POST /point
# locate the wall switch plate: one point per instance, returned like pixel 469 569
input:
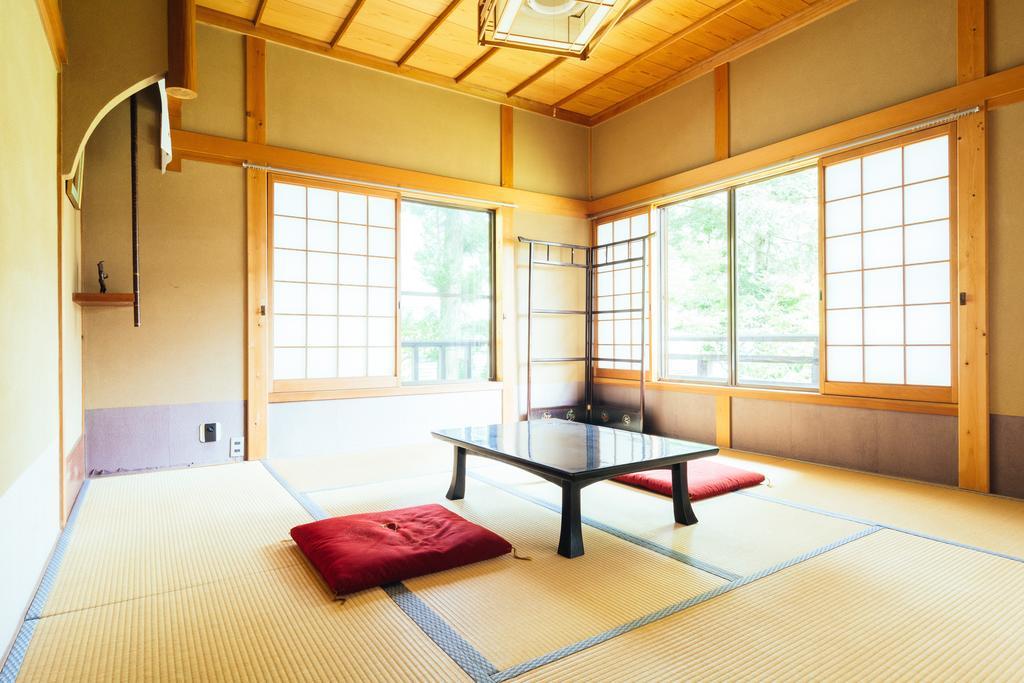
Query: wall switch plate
pixel 237 446
pixel 209 432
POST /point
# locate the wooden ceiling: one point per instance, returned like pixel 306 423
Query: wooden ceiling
pixel 654 46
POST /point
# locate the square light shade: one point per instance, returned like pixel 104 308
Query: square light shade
pixel 562 27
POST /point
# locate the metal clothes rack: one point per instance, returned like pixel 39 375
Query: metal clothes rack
pixel 594 259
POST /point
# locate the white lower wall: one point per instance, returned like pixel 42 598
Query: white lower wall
pixel 317 428
pixel 29 526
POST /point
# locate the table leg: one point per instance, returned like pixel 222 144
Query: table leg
pixel 570 542
pixel 457 490
pixel 681 496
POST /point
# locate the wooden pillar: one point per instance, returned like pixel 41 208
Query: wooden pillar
pixel 722 112
pixel 723 421
pixel 507 154
pixel 182 76
pixel 972 259
pixel 258 339
pixel 506 329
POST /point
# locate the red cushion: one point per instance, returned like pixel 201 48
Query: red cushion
pixel 705 478
pixel 361 551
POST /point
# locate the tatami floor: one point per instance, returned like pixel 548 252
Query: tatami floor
pixel 820 574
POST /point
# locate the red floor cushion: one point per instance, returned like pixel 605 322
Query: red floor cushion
pixel 705 478
pixel 356 552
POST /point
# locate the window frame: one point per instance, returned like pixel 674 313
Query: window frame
pixel 385 384
pixel 492 339
pixel 732 381
pixel 624 373
pixel 908 392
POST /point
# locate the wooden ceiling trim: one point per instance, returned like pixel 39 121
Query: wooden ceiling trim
pixel 796 21
pixel 536 76
pixel 429 32
pixel 244 26
pixel 346 22
pixel 674 38
pixel 477 63
pixel 260 9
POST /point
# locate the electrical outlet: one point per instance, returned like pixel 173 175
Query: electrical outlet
pixel 237 446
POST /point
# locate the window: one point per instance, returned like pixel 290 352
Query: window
pixel 447 301
pixel 740 283
pixel 333 270
pixel 619 294
pixel 888 269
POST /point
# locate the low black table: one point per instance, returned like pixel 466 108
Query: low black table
pixel 574 455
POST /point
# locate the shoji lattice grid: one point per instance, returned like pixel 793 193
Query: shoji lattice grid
pixel 888 266
pixel 618 293
pixel 333 271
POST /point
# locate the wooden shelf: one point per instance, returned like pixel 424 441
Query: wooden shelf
pixel 107 299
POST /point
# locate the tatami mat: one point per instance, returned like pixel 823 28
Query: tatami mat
pixel 886 607
pixel 737 533
pixel 513 610
pixel 280 625
pixel 991 522
pixel 366 467
pixel 144 534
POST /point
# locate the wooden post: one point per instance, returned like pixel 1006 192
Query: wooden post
pixel 723 421
pixel 972 259
pixel 507 154
pixel 255 90
pixel 722 112
pixel 182 78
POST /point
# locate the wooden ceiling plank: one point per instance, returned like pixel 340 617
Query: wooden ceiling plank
pixel 760 39
pixel 346 22
pixel 429 32
pixel 260 9
pixel 695 26
pixel 477 63
pixel 535 76
pixel 295 40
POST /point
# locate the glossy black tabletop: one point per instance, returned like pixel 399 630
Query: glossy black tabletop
pixel 573 447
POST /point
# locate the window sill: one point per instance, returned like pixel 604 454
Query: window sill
pixel 795 396
pixel 408 390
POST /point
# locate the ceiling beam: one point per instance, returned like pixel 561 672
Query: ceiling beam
pixel 537 75
pixel 434 25
pixel 744 47
pixel 646 54
pixel 260 9
pixel 477 63
pixel 322 47
pixel 346 22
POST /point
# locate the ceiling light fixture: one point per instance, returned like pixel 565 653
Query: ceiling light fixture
pixel 563 27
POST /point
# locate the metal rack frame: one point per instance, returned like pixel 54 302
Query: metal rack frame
pixel 592 267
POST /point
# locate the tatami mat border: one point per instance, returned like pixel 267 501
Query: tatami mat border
pixel 451 643
pixel 869 522
pixel 520 669
pixel 9 672
pixel 619 533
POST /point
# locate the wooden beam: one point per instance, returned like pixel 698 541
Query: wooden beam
pixel 732 53
pixel 346 22
pixel 972 259
pixel 477 63
pixel 722 134
pixel 648 53
pixel 257 337
pixel 255 89
pixel 507 153
pixel 53 27
pixel 182 73
pixel 434 25
pixel 723 421
pixel 214 149
pixel 536 76
pixel 960 96
pixel 260 9
pixel 970 40
pixel 322 47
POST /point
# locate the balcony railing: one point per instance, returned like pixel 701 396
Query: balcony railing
pixel 431 360
pixel 705 360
